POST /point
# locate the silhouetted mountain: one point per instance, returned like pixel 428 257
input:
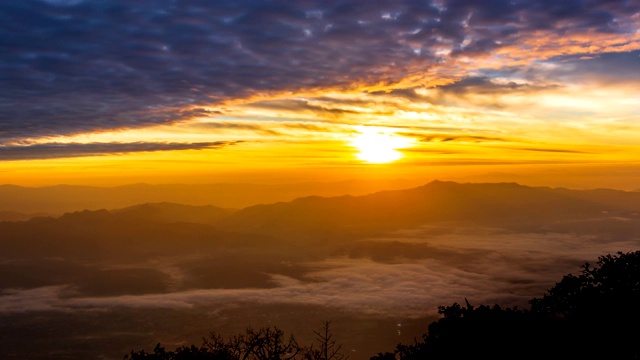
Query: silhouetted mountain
pixel 101 234
pixel 66 198
pixel 492 204
pixel 97 253
pixel 170 212
pixel 18 216
pixel 506 205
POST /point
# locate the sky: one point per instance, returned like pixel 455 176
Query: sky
pixel 103 92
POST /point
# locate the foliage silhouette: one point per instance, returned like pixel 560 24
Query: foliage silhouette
pixel 328 349
pixel 267 343
pixel 591 316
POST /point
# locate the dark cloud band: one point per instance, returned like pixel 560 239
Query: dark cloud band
pixel 60 150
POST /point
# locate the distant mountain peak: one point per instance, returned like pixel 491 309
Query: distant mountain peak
pixel 506 184
pixel 501 204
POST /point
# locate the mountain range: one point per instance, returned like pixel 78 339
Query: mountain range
pixel 59 199
pixel 117 272
pixel 344 218
pixel 508 205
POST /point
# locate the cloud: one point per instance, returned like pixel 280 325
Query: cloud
pixel 230 125
pixel 440 266
pixel 620 69
pixel 62 150
pixel 485 85
pixel 71 66
pixel 455 138
pixel 320 109
pixel 551 150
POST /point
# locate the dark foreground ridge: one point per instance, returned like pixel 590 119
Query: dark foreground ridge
pixel 593 315
pixel 268 343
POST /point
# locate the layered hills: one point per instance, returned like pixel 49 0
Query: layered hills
pixel 393 254
pixel 59 199
pixel 493 204
pixel 148 227
pixel 489 204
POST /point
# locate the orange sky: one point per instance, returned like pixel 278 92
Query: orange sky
pixel 554 104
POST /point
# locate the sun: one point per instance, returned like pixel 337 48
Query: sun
pixel 378 146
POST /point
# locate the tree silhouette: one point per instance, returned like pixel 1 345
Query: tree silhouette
pixel 600 306
pixel 612 286
pixel 267 343
pixel 328 349
pixel 216 345
pixel 591 316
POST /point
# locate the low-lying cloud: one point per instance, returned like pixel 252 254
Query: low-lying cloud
pixel 486 266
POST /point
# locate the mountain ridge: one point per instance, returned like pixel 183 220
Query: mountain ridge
pixel 505 204
pixel 502 204
pixel 58 199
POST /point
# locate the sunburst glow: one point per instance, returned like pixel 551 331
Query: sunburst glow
pixel 378 146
